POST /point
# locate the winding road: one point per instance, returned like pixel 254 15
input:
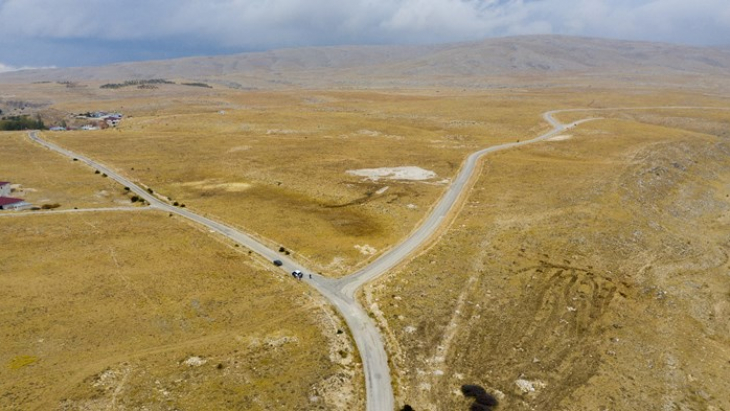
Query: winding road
pixel 341 292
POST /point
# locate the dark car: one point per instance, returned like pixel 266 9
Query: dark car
pixel 278 263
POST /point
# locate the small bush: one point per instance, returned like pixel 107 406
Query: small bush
pixel 134 199
pixel 149 190
pixel 176 204
pixel 483 401
pixel 97 172
pixel 50 206
pixel 197 85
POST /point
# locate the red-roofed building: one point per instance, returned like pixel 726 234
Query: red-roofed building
pixel 9 203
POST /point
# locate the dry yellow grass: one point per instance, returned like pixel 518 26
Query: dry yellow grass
pixel 270 161
pixel 139 310
pixel 565 254
pixel 588 273
pixel 42 177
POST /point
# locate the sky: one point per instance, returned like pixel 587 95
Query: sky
pixel 67 33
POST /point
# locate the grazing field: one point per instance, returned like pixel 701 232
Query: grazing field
pixel 587 272
pixel 139 310
pixel 276 163
pixel 43 178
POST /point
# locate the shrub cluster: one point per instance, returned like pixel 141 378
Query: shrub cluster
pixel 483 401
pixel 15 123
pixel 136 83
pixel 197 84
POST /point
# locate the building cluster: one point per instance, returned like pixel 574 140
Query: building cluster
pixel 11 203
pixel 98 120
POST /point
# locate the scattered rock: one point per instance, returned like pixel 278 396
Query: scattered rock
pixel 366 249
pixel 195 361
pixel 529 386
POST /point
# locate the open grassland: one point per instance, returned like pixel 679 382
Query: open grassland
pixel 587 272
pixel 275 163
pixel 142 311
pixel 44 178
pixel 584 272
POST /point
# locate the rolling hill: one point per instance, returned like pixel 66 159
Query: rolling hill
pixel 529 58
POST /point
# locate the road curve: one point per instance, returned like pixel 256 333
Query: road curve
pixel 348 285
pixel 341 292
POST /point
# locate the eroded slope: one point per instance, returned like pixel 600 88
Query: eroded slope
pixel 588 272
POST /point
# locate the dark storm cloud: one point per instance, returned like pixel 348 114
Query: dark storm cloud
pixel 132 29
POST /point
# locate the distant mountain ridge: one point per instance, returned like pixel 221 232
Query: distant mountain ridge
pixel 444 64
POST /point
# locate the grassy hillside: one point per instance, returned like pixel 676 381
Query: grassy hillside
pixel 582 273
pixel 535 60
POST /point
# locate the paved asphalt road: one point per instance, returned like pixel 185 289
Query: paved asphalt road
pixel 341 292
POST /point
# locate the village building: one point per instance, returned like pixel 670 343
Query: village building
pixel 10 203
pixel 4 188
pixel 112 120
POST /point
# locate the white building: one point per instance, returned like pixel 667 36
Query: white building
pixel 4 188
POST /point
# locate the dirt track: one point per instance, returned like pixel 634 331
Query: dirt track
pixel 341 293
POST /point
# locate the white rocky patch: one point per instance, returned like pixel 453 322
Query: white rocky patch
pixel 382 190
pixel 411 173
pixel 529 386
pixel 195 361
pixel 366 249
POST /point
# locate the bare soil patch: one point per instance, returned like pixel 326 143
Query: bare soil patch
pixel 409 173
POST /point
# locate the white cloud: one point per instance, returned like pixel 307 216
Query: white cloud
pixel 4 68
